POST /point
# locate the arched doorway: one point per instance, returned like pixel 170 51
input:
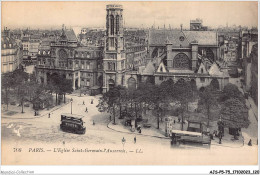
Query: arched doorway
pixel 181 61
pixel 214 83
pixel 111 84
pixel 131 83
pixel 193 84
pixel 42 80
pixel 48 77
pixel 100 80
pixel 76 83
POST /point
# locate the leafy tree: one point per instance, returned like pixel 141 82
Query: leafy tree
pixel 122 98
pixel 234 114
pixel 109 102
pixel 65 86
pixel 7 83
pixel 232 91
pixel 183 94
pixel 208 100
pixel 155 99
pixel 21 83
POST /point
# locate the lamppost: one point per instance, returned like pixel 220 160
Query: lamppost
pixel 71 104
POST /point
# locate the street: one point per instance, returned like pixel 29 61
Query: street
pixel 45 133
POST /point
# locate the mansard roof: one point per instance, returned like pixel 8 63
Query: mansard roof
pixel 160 36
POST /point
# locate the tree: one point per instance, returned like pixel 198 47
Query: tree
pixel 234 114
pixel 54 85
pixel 109 102
pixel 208 100
pixel 155 99
pixel 7 83
pixel 65 86
pixel 183 94
pixel 232 91
pixel 21 83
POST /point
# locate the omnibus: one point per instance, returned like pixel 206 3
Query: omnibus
pixel 72 123
pixel 179 136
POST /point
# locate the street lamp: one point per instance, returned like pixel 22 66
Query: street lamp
pixel 71 104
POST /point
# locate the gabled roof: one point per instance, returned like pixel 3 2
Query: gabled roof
pixel 202 69
pixel 149 69
pixel 71 37
pixel 214 70
pixel 159 37
pixel 161 67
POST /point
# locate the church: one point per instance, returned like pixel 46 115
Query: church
pixel 171 54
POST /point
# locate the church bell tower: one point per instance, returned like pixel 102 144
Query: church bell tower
pixel 114 58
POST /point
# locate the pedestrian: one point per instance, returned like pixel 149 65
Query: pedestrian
pixel 93 122
pixel 86 109
pixel 63 142
pixel 123 140
pixel 135 139
pixel 35 113
pixel 83 102
pixel 250 143
pixel 49 115
pixel 140 131
pixel 92 101
pixel 220 137
pixel 179 120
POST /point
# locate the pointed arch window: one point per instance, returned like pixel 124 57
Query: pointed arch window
pixel 117 24
pixel 111 24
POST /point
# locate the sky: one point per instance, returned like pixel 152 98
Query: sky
pixel 136 14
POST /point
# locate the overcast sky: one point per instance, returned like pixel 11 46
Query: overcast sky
pixel 136 14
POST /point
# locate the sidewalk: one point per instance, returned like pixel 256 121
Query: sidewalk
pixel 227 140
pixel 253 107
pixel 14 112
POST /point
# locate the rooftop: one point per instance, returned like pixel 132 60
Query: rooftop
pixel 159 37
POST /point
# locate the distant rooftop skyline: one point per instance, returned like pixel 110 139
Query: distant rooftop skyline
pixel 142 14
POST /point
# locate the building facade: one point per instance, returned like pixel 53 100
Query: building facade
pixel 64 57
pixel 11 52
pixel 186 55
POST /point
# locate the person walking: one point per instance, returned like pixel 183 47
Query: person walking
pixel 49 115
pixel 83 102
pixel 135 139
pixel 220 137
pixel 93 122
pixel 250 143
pixel 86 109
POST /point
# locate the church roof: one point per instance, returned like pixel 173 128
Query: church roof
pixel 214 70
pixel 203 37
pixel 68 35
pixel 160 36
pixel 149 69
pixel 71 35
